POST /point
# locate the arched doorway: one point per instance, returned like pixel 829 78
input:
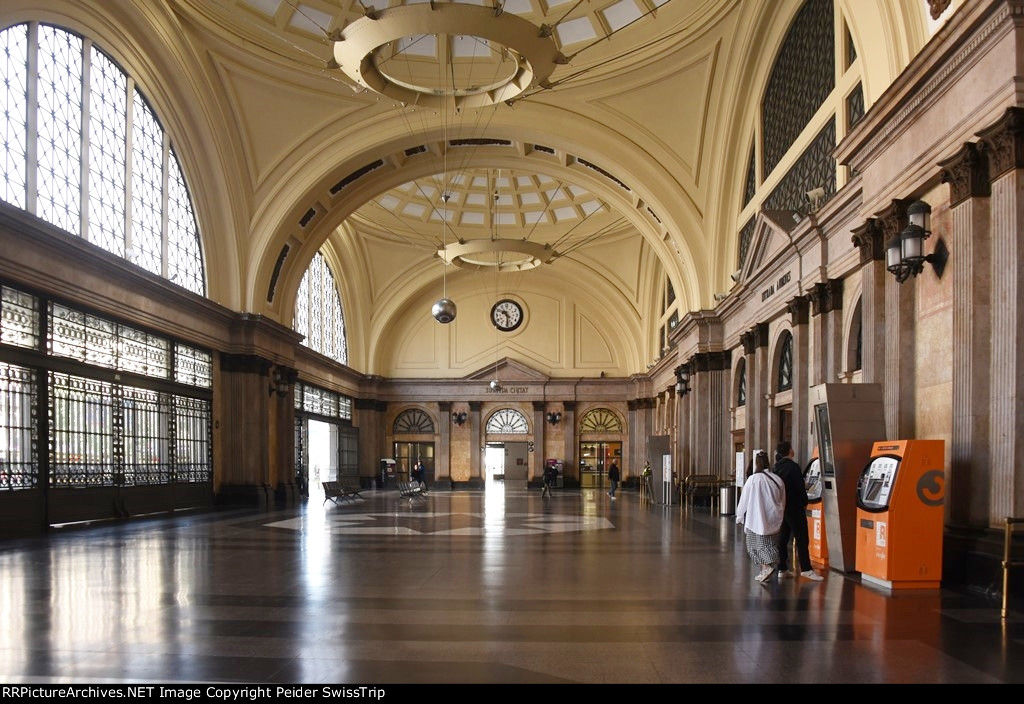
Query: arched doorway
pixel 600 445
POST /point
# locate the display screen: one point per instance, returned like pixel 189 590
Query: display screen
pixel 876 483
pixel 824 440
pixel 812 480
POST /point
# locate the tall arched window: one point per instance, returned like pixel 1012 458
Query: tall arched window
pixel 318 313
pixel 76 138
pixel 785 379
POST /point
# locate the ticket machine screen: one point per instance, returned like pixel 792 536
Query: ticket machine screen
pixel 876 483
pixel 824 431
pixel 812 480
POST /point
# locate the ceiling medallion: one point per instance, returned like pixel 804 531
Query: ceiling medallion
pixel 527 54
pixel 503 255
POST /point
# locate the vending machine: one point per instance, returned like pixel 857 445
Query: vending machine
pixel 900 499
pixel 817 538
pixel 848 418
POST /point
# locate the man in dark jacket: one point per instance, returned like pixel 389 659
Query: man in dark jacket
pixel 794 522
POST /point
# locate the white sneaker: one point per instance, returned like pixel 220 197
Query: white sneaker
pixel 812 575
pixel 785 574
pixel 765 574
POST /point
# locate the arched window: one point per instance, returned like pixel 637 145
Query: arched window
pixel 508 421
pixel 318 313
pixel 414 422
pixel 600 420
pixel 741 383
pixel 77 138
pixel 785 379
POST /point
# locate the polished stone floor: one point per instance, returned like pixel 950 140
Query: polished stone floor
pixel 495 586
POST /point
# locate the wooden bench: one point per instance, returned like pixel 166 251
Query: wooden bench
pixel 700 486
pixel 410 491
pixel 340 490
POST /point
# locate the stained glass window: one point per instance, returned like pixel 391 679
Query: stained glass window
pixel 318 312
pixel 83 189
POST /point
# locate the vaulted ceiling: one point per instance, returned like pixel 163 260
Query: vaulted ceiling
pixel 625 163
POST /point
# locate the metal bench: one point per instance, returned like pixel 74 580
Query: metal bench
pixel 340 490
pixel 410 491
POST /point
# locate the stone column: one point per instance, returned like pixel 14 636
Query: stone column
pixel 759 386
pixel 827 304
pixel 798 308
pixel 1003 143
pixel 258 435
pixel 898 376
pixel 476 437
pixel 539 427
pixel 713 440
pixel 442 453
pixel 571 447
pixel 368 415
pixel 966 172
pixel 749 433
pixel 869 238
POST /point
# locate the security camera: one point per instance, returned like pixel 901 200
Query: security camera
pixel 815 196
pixel 721 296
pixel 735 276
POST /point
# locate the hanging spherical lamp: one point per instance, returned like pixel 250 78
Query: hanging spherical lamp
pixel 444 310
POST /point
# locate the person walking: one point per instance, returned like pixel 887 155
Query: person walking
pixel 760 512
pixel 613 478
pixel 550 479
pixel 794 524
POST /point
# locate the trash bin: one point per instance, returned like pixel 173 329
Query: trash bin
pixel 727 499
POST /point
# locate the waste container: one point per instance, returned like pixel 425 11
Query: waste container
pixel 727 499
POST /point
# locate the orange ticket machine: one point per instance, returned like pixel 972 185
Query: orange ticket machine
pixel 900 499
pixel 818 541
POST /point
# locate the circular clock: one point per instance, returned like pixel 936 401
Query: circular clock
pixel 507 315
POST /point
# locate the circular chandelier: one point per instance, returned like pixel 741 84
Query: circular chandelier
pixel 526 54
pixel 499 254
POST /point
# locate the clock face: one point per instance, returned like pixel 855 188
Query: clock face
pixel 507 315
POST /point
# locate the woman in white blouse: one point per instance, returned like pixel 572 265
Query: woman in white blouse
pixel 760 512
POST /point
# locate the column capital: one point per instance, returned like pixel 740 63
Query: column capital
pixel 798 308
pixel 755 337
pixel 966 172
pixel 569 406
pixel 892 219
pixel 826 296
pixel 1003 143
pixel 540 406
pixel 476 406
pixel 869 239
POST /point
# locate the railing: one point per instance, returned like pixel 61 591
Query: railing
pixel 1007 562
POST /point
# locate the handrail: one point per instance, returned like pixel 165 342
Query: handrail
pixel 1007 563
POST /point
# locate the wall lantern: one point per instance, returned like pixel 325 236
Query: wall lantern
pixel 683 379
pixel 553 418
pixel 459 418
pixel 904 253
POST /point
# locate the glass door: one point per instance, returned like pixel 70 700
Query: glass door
pixel 595 457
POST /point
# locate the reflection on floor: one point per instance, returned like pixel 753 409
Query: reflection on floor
pixel 495 586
